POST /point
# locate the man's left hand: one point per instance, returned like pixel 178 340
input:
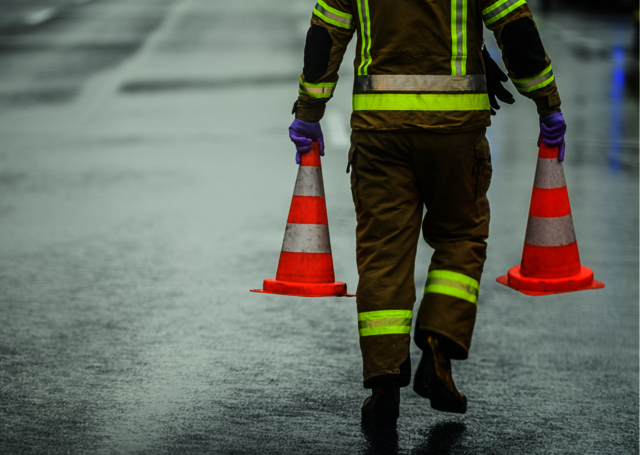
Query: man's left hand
pixel 552 129
pixel 302 134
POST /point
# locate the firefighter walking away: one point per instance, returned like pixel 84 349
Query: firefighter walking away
pixel 424 92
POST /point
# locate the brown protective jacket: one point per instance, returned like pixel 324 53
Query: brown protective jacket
pixel 418 63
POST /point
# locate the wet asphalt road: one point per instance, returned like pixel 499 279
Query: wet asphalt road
pixel 145 178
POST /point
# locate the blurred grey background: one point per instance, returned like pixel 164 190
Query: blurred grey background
pixel 145 179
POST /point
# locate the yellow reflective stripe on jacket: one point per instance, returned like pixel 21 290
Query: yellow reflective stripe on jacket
pixel 458 37
pixel 420 102
pixel 333 16
pixel 321 90
pixel 453 284
pixel 365 31
pixel 386 322
pixel 499 10
pixel 529 84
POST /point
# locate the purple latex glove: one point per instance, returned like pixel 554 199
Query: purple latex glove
pixel 302 134
pixel 552 127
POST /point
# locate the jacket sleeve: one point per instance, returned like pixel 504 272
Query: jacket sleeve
pixel 528 64
pixel 332 27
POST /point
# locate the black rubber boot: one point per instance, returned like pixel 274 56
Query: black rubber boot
pixel 382 408
pixel 433 380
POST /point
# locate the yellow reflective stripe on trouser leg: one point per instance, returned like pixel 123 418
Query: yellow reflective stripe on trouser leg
pixel 453 284
pixel 386 322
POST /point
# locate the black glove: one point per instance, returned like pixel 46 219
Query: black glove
pixel 495 77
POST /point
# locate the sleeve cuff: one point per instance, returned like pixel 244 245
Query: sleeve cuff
pixel 309 113
pixel 548 104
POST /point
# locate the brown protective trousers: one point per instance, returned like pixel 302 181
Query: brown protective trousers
pixel 394 176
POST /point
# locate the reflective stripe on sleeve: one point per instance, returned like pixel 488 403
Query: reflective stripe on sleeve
pixel 386 322
pixel 499 10
pixel 420 83
pixel 420 102
pixel 322 90
pixel 453 284
pixel 529 84
pixel 332 15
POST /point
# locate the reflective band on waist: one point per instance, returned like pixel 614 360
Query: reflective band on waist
pixel 549 174
pixel 419 83
pixel 386 322
pixel 556 231
pixel 306 238
pixel 529 84
pixel 420 102
pixel 453 284
pixel 500 9
pixel 322 90
pixel 309 182
pixel 332 15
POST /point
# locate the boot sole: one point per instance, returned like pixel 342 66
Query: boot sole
pixel 380 419
pixel 383 417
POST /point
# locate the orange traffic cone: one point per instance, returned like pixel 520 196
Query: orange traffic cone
pixel 305 268
pixel 550 259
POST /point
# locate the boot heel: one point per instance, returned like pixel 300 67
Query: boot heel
pixel 385 420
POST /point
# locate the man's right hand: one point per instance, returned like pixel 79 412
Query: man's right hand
pixel 302 134
pixel 495 76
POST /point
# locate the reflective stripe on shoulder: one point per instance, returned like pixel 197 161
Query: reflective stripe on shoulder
pixel 453 284
pixel 332 15
pixel 499 10
pixel 420 102
pixel 420 83
pixel 322 90
pixel 540 80
pixel 386 322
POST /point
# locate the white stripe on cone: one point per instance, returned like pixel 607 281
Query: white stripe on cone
pixel 549 174
pixel 306 238
pixel 309 182
pixel 556 231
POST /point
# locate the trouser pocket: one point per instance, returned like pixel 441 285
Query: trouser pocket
pixel 483 169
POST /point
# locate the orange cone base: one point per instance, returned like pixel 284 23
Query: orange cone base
pixel 544 286
pixel 273 286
